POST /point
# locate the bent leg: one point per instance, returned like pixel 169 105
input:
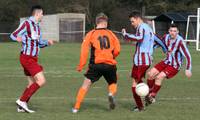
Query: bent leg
pixel 158 82
pixel 151 77
pixel 39 80
pixel 82 92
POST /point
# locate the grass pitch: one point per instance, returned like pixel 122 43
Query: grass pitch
pixel 179 98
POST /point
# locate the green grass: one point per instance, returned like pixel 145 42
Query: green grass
pixel 179 98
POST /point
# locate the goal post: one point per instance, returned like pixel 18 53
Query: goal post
pixel 198 29
pixel 192 33
pixel 63 27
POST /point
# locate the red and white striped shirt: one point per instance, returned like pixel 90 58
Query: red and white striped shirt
pixel 177 50
pixel 30 32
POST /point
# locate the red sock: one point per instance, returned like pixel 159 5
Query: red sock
pixel 25 92
pixel 137 99
pixel 150 83
pixel 32 89
pixel 155 90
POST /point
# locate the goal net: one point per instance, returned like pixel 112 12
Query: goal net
pixel 65 27
pixel 193 29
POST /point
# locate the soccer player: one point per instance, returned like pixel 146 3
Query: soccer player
pixel 105 47
pixel 29 34
pixel 170 66
pixel 143 54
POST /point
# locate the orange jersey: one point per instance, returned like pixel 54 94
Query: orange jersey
pixel 105 47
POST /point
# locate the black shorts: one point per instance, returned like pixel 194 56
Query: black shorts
pixel 95 71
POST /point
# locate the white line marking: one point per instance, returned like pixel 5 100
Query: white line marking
pixel 105 99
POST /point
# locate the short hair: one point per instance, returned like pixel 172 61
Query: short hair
pixel 34 8
pixel 173 25
pixel 101 17
pixel 135 14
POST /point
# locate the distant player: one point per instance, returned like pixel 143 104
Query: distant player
pixel 170 66
pixel 143 54
pixel 104 48
pixel 29 34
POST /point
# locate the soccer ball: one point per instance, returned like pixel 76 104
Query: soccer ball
pixel 142 89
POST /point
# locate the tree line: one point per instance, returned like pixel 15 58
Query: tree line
pixel 117 10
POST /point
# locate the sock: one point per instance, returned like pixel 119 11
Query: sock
pixel 155 90
pixel 79 98
pixel 25 92
pixel 137 99
pixel 112 88
pixel 31 90
pixel 150 84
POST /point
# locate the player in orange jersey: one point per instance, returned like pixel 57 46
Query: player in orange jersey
pixel 105 47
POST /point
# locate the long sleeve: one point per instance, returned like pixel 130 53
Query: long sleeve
pixel 19 31
pixel 42 43
pixel 158 42
pixel 116 45
pixel 185 52
pixel 138 38
pixel 84 50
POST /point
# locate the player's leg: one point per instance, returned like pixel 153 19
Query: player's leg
pixel 168 73
pixel 39 81
pixel 138 100
pixel 91 76
pixel 31 68
pixel 153 72
pixel 138 72
pixel 158 82
pixel 110 75
pixel 150 98
pixel 30 82
pixel 81 94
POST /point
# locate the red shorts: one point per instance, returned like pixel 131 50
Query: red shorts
pixel 138 72
pixel 30 65
pixel 167 69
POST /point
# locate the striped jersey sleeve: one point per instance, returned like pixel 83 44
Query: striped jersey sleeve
pixel 138 37
pixel 158 42
pixel 19 31
pixel 185 52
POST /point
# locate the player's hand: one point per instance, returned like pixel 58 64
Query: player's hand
pixel 188 73
pixel 123 32
pixel 19 39
pixel 50 42
pixel 79 68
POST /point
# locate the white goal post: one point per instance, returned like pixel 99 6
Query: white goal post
pixel 193 29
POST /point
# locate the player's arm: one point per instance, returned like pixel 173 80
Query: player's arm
pixel 158 42
pixel 43 43
pixel 132 37
pixel 18 33
pixel 84 52
pixel 185 52
pixel 116 42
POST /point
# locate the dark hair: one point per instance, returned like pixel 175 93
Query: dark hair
pixel 135 14
pixel 101 17
pixel 173 25
pixel 35 7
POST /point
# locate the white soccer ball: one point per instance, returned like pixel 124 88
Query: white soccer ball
pixel 142 89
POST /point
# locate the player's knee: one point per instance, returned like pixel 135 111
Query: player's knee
pixel 134 83
pixel 150 75
pixel 86 84
pixel 159 79
pixel 41 82
pixel 158 82
pixel 29 84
